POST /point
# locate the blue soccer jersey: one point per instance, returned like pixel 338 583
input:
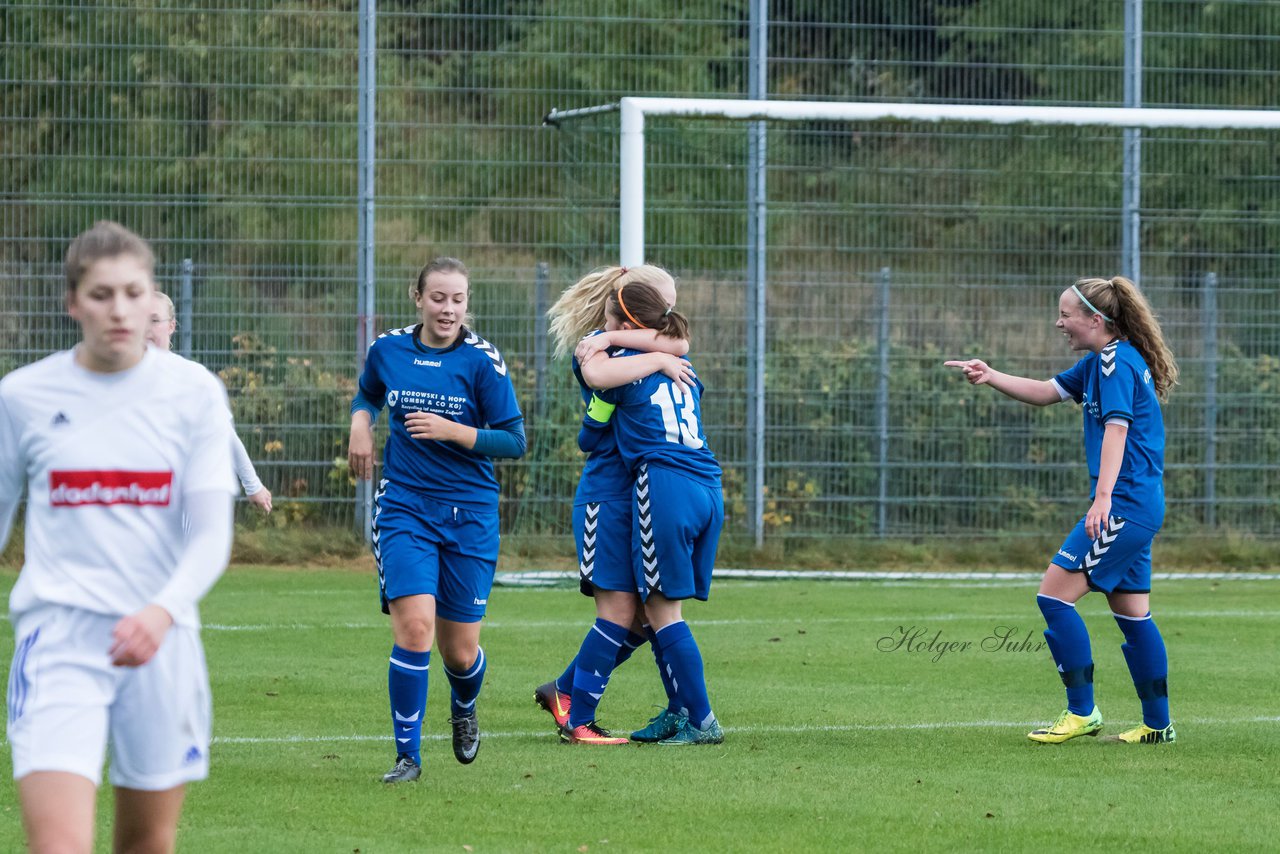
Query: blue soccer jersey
pixel 656 422
pixel 605 477
pixel 1112 385
pixel 467 383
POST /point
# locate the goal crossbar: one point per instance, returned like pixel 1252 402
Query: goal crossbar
pixel 634 110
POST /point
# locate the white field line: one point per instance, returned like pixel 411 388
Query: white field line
pixel 748 730
pixel 539 576
pixel 903 619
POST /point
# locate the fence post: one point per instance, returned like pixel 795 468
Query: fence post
pixel 185 309
pixel 757 241
pixel 1210 314
pixel 1131 204
pixel 541 287
pixel 366 304
pixel 882 403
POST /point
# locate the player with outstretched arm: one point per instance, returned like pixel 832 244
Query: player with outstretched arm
pixel 1126 371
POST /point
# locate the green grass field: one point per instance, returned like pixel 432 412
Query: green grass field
pixel 838 737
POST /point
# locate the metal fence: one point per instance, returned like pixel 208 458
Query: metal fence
pixel 229 136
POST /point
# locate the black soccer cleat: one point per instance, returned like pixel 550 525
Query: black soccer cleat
pixel 405 771
pixel 466 737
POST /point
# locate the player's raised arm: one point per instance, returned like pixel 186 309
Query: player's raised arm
pixel 647 340
pixel 1025 389
pixel 603 372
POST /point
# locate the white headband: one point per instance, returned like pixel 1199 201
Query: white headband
pixel 1089 305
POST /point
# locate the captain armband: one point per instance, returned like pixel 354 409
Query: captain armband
pixel 599 410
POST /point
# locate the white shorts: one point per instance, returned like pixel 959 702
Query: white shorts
pixel 67 701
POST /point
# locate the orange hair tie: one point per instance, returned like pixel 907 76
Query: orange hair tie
pixel 626 312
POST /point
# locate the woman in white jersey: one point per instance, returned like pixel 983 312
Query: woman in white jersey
pixel 113 443
pixel 160 333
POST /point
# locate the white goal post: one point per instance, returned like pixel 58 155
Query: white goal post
pixel 632 202
pixel 635 109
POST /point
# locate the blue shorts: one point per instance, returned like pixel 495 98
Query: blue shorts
pixel 1118 561
pixel 677 522
pixel 425 546
pixel 602 531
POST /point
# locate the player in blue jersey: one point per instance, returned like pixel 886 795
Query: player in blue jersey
pixel 1127 370
pixel 451 409
pixel 602 502
pixel 678 505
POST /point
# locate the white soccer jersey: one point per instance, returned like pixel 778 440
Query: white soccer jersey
pixel 107 459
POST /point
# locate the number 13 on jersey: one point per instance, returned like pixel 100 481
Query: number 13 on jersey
pixel 679 415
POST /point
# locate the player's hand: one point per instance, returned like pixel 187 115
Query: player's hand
pixel 428 425
pixel 679 370
pixel 1095 521
pixel 591 345
pixel 976 371
pixel 360 452
pixel 261 499
pixel 137 636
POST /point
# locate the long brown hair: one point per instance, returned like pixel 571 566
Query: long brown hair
pixel 644 307
pixel 105 240
pixel 580 309
pixel 1132 318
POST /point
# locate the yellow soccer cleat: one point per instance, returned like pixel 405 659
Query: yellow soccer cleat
pixel 1068 726
pixel 1143 734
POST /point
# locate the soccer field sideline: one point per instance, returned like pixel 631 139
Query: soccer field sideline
pixel 740 730
pixel 538 577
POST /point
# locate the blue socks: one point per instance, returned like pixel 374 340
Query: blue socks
pixel 564 682
pixel 604 644
pixel 1068 640
pixel 682 657
pixel 407 685
pixel 466 686
pixel 630 644
pixel 1144 651
pixel 664 672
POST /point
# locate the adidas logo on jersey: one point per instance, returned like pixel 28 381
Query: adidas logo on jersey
pixel 60 420
pixel 82 488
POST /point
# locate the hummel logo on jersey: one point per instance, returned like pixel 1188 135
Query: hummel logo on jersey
pixel 60 420
pixel 428 363
pixel 81 488
pixel 479 601
pixel 1067 555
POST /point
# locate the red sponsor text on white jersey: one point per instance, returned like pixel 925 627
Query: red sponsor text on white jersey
pixel 83 488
